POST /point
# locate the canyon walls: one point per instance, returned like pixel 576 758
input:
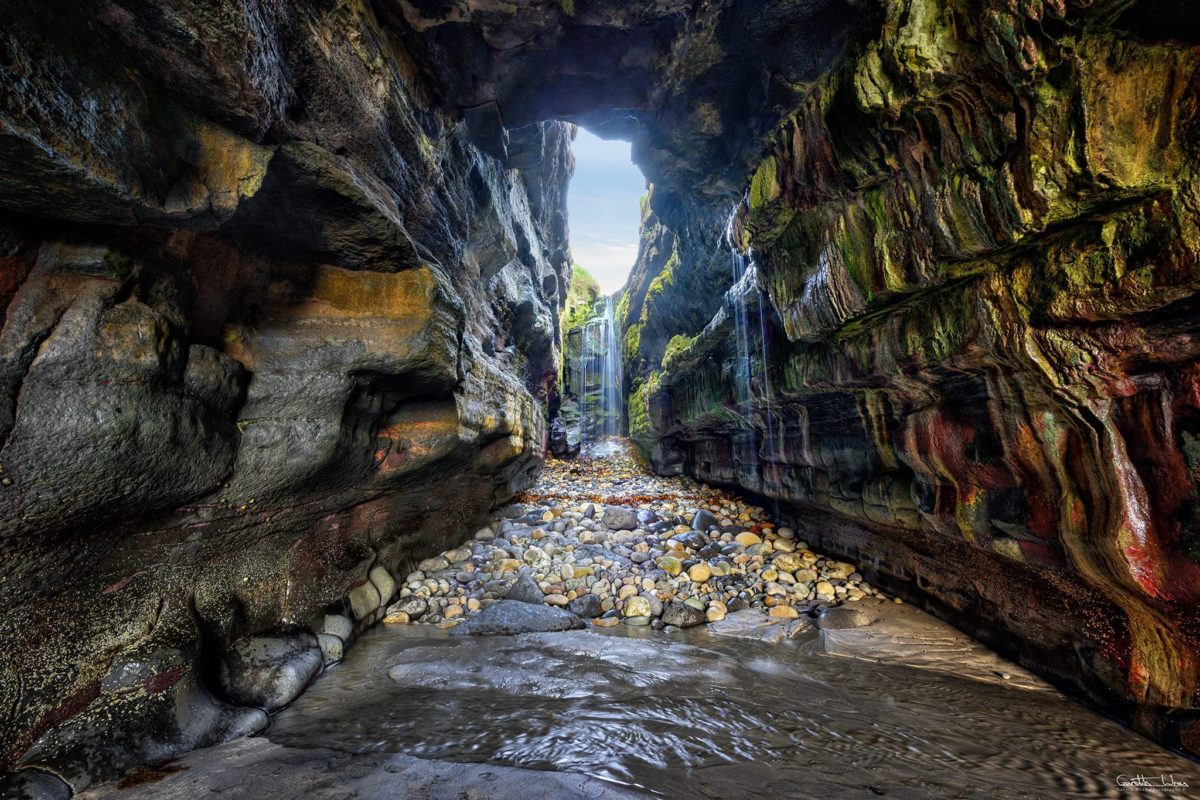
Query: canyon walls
pixel 272 327
pixel 281 287
pixel 965 347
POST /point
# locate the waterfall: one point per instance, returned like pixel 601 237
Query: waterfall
pixel 764 326
pixel 741 330
pixel 600 379
pixel 614 377
pixel 745 281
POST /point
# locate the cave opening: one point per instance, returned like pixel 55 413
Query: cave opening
pixel 606 198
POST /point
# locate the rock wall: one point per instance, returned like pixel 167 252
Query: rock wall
pixel 273 327
pixel 976 367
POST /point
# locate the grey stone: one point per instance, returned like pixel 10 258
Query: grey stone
pixel 332 647
pixel 338 625
pixel 269 671
pixel 586 606
pixel 384 583
pixel 656 605
pixel 525 590
pixel 620 519
pixel 646 517
pixel 703 520
pixel 364 599
pixel 508 617
pixel 681 615
pixel 413 606
pixel 846 617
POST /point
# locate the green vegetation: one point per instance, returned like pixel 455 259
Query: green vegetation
pixel 677 346
pixel 582 294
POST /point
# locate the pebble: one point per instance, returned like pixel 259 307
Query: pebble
pixel 433 564
pixel 457 555
pixel 670 564
pixel 747 539
pixel 636 606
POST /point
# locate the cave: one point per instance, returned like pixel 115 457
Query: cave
pixel 326 472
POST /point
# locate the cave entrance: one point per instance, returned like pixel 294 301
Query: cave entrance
pixel 604 206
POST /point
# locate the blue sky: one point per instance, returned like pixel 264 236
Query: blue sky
pixel 602 208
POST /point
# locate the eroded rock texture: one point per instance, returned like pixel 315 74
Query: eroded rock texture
pixel 971 330
pixel 272 326
pixel 280 285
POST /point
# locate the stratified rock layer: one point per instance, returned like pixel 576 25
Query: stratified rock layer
pixel 972 337
pixel 273 328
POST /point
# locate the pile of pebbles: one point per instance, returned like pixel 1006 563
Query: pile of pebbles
pixel 662 552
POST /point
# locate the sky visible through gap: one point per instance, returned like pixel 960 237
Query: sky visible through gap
pixel 603 208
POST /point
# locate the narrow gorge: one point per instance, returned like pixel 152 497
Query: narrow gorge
pixel 325 471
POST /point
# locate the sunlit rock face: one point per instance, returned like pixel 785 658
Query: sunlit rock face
pixel 975 287
pixel 272 326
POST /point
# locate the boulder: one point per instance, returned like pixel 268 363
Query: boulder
pixel 269 671
pixel 617 518
pixel 413 606
pixel 682 615
pixel 586 606
pixel 510 617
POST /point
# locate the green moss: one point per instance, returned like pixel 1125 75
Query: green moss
pixel 664 279
pixel 764 185
pixel 677 346
pixel 622 309
pixel 633 341
pixel 582 293
pixel 639 404
pixel 568 7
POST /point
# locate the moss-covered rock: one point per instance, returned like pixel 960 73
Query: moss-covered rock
pixel 978 238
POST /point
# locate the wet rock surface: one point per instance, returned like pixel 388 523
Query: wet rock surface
pixel 257 769
pixel 632 712
pixel 671 692
pixel 270 671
